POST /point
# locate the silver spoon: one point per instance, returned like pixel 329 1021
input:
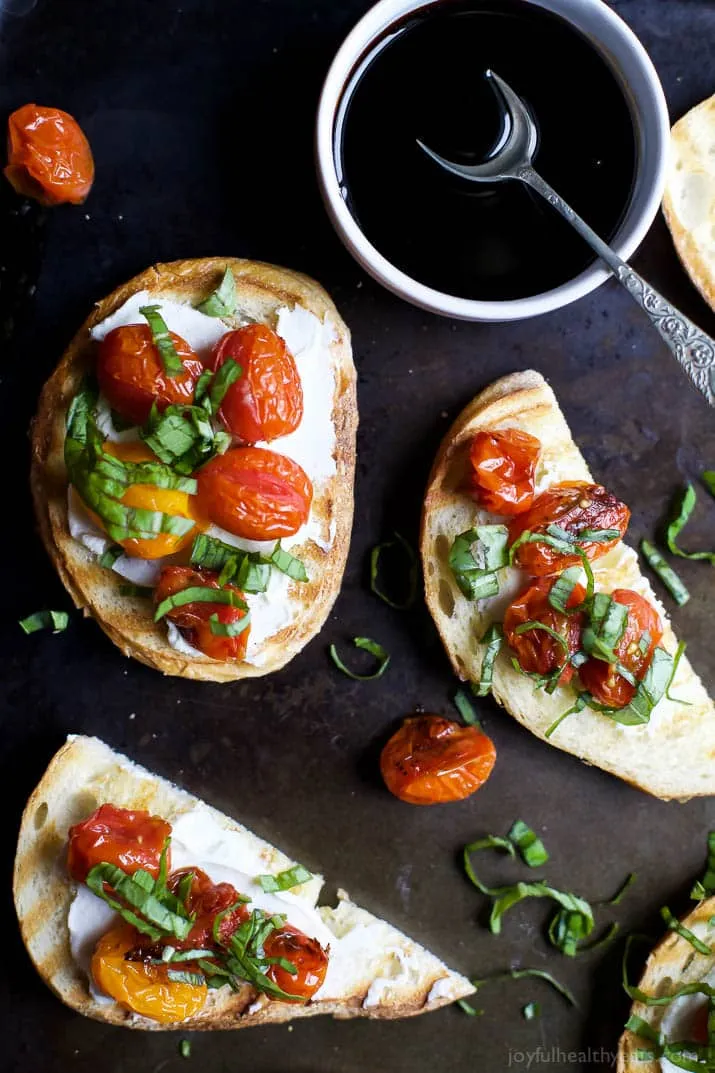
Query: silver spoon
pixel 693 348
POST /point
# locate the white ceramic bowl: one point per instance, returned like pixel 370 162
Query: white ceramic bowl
pixel 632 67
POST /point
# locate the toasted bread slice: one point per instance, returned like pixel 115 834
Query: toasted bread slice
pixel 689 200
pixel 673 756
pixel 375 970
pixel 673 964
pixel 262 291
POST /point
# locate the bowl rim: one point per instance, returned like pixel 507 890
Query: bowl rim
pixel 652 129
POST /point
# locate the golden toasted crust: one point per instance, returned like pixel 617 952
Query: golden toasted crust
pixel 673 963
pixel 85 773
pixel 262 290
pixel 671 757
pixel 689 199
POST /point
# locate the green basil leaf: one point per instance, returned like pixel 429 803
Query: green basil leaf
pixel 639 1027
pixel 161 916
pixel 532 849
pixel 525 627
pixel 562 591
pixel 195 594
pixel 249 570
pixel 665 572
pixel 493 640
pixel 674 924
pixel 229 629
pixel 110 556
pixel 521 974
pixel 412 572
pixel 467 1008
pixel 185 1048
pixel 599 536
pixel 173 365
pixel 531 1011
pixel 223 302
pixel 512 895
pixel 561 541
pixel 183 976
pixel 291 877
pixel 288 564
pixel 474 558
pixel 624 887
pixel 57 621
pixel 678 523
pixel 579 704
pixel 367 645
pixel 466 709
pixel 226 375
pixel 705 887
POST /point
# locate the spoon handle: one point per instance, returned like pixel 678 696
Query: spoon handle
pixel 692 347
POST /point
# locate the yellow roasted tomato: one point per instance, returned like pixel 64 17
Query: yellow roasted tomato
pixel 143 988
pixel 148 497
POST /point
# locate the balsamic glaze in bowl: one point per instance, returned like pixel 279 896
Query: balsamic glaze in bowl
pixel 425 79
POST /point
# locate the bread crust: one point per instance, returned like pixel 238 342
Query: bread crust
pixel 673 963
pixel 262 290
pixel 85 773
pixel 674 757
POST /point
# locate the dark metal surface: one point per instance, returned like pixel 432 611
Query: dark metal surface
pixel 200 115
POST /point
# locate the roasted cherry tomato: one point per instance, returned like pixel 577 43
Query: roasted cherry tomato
pixel 205 901
pixel 572 506
pixel 49 158
pixel 431 759
pixel 536 650
pixel 602 679
pixel 149 497
pixel 255 493
pixel 194 619
pixel 143 988
pixel 502 465
pixel 267 399
pixel 129 838
pixel 308 956
pixel 131 373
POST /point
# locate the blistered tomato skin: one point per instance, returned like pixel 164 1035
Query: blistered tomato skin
pixel 194 619
pixel 49 158
pixel 572 506
pixel 432 760
pixel 255 493
pixel 502 467
pixel 205 901
pixel 267 399
pixel 128 838
pixel 131 373
pixel 306 954
pixel 536 650
pixel 601 679
pixel 142 988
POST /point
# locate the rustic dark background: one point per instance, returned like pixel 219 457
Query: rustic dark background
pixel 200 116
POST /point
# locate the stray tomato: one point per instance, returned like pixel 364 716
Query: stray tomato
pixel 430 760
pixel 306 954
pixel 143 988
pixel 267 399
pixel 194 619
pixel 131 373
pixel 49 158
pixel 572 506
pixel 206 900
pixel 129 838
pixel 255 493
pixel 502 468
pixel 536 650
pixel 602 679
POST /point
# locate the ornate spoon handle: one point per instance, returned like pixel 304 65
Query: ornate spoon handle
pixel 692 347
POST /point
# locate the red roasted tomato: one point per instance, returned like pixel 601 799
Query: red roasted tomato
pixel 194 619
pixel 601 679
pixel 572 506
pixel 308 956
pixel 430 760
pixel 502 467
pixel 206 900
pixel 267 399
pixel 49 158
pixel 255 493
pixel 131 373
pixel 536 650
pixel 129 838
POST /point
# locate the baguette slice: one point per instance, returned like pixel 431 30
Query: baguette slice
pixel 673 964
pixel 382 973
pixel 672 756
pixel 262 291
pixel 689 200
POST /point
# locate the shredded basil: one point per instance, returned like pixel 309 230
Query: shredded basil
pixel 599 536
pixel 57 621
pixel 622 890
pixel 521 974
pixel 467 1008
pixel 183 436
pixel 249 570
pixel 110 556
pixel 706 886
pixel 466 709
pixel 287 563
pixel 493 640
pixel 183 976
pixel 411 580
pixel 367 645
pixel 637 995
pixel 135 590
pixel 578 706
pixel 709 481
pixel 195 594
pixel 532 849
pixel 561 541
pixel 665 572
pixel 291 877
pixel 229 629
pixel 162 914
pixel 678 523
pixel 474 558
pixel 223 302
pixel 531 1011
pixel 226 375
pixel 674 924
pixel 173 365
pixel 185 1047
pixel 562 591
pixel 243 957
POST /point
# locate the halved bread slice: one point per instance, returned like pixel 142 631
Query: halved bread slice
pixel 672 756
pixel 262 291
pixel 374 970
pixel 689 200
pixel 673 964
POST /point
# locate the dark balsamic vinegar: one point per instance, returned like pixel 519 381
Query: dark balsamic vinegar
pixel 426 80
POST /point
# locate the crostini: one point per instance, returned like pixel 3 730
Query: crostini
pixel 142 906
pixel 538 600
pixel 193 460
